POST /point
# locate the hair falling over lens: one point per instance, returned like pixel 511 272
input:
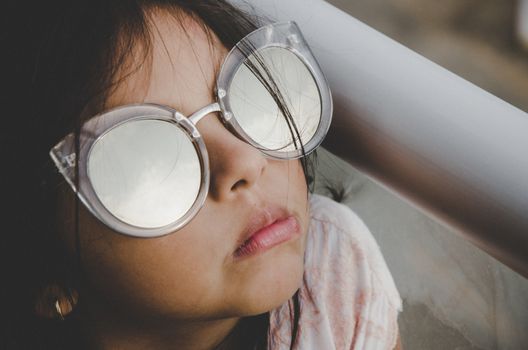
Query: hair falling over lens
pixel 65 57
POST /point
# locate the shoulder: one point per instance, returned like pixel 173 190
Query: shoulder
pixel 339 240
pixel 348 297
pixel 338 234
pixel 337 222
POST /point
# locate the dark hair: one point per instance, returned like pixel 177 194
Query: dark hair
pixel 62 57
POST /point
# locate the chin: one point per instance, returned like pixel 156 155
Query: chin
pixel 269 280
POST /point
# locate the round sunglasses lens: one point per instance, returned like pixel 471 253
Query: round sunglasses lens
pixel 146 173
pixel 281 71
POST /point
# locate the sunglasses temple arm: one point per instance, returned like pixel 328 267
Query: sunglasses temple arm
pixel 198 115
pixel 63 155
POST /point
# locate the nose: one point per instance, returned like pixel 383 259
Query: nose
pixel 235 166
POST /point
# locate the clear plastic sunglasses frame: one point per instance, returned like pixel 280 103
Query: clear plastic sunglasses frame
pixel 284 35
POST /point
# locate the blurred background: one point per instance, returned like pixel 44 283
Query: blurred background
pixel 483 41
pixel 455 296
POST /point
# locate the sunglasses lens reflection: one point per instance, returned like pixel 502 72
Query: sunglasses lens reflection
pixel 146 173
pixel 255 109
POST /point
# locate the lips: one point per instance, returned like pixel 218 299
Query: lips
pixel 266 230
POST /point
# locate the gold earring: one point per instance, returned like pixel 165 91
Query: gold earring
pixel 59 309
pixel 56 302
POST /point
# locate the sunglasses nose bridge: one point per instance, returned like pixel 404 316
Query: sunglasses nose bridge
pixel 201 113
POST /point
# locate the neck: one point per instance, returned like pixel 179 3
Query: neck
pixel 112 330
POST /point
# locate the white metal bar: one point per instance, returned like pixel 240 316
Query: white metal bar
pixel 441 143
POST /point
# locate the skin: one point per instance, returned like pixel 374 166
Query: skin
pixel 185 290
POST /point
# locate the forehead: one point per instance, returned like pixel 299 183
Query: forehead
pixel 180 67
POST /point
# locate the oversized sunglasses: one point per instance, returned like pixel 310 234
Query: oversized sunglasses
pixel 143 169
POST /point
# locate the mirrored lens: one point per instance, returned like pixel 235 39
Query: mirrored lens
pixel 145 172
pixel 281 71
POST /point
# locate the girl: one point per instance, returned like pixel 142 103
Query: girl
pixel 161 203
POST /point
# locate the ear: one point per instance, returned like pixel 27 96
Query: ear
pixel 55 302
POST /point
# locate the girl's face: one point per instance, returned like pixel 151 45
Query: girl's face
pixel 194 273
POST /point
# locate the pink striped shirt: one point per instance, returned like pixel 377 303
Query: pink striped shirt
pixel 348 297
